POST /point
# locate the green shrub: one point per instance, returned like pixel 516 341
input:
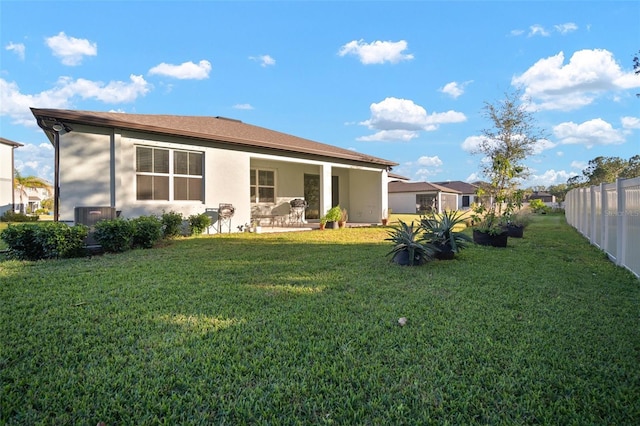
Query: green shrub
pixel 198 223
pixel 11 216
pixel 21 242
pixel 46 241
pixel 146 231
pixel 538 206
pixel 114 235
pixel 171 223
pixel 59 240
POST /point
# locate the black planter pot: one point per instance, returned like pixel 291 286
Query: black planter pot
pixel 402 258
pixel 486 239
pixel 515 231
pixel 444 252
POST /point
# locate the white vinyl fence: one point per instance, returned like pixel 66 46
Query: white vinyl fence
pixel 609 216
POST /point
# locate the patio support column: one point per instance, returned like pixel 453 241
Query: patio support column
pixel 325 188
pixel 384 184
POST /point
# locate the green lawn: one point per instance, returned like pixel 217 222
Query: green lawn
pixel 301 328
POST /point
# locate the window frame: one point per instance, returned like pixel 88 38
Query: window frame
pixel 171 175
pixel 256 184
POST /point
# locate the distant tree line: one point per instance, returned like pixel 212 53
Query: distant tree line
pixel 599 170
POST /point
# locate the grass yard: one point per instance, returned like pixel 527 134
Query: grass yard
pixel 302 328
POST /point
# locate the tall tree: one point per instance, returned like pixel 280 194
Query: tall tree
pixel 606 170
pixel 636 66
pixel 22 182
pixel 506 143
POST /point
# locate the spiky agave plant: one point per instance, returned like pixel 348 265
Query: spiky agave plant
pixel 439 230
pixel 409 248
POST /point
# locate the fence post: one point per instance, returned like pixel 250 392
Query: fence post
pixel 604 228
pixel 621 224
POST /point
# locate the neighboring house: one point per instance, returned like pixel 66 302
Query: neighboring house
pixel 467 192
pixel 545 197
pixel 32 197
pixel 7 198
pixel 421 197
pixel 138 164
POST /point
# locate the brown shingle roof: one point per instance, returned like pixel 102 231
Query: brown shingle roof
pixel 219 129
pixel 399 186
pixel 458 185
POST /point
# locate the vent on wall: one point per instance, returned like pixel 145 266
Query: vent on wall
pixel 91 215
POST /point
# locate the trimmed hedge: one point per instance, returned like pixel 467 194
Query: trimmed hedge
pixel 45 241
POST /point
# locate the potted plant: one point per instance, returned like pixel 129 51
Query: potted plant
pixel 516 223
pixel 323 222
pixel 343 218
pixel 333 216
pixel 439 230
pixel 410 248
pixel 385 218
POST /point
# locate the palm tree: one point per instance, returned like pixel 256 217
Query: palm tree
pixel 21 182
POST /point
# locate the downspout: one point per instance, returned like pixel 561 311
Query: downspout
pixel 56 170
pixel 13 180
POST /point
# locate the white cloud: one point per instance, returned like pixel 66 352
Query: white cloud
pixel 473 177
pixel 242 106
pixel 264 60
pixel 377 52
pixel 430 161
pixel 17 48
pixel 552 85
pixel 516 33
pixel 35 160
pixel 390 135
pixel 70 49
pixel 559 153
pixel 590 133
pixel 472 144
pixel 542 145
pixel 535 30
pixel 16 104
pixel 630 122
pixel 401 119
pixel 454 89
pixel 184 71
pixel 566 28
pixel 580 165
pixel 548 178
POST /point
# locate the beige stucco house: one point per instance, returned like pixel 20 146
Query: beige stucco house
pixel 139 164
pixel 7 198
pixel 421 197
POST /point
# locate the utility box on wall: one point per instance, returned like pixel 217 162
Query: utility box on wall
pixel 89 216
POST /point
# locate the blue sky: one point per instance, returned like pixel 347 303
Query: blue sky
pixel 404 81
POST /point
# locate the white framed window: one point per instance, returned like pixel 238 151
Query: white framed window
pixel 263 186
pixel 169 174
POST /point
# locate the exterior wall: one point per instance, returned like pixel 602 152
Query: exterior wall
pixel 84 170
pixel 98 168
pixel 225 174
pixel 402 202
pixel 6 177
pixel 366 195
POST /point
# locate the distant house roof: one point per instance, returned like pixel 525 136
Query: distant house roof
pixel 458 185
pixel 399 186
pixel 10 143
pixel 215 129
pixel 397 176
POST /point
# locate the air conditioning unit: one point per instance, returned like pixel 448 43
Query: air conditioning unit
pixel 91 215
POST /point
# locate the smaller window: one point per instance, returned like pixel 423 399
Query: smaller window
pixel 263 188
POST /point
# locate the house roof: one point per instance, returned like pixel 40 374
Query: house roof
pixel 217 129
pixel 10 143
pixel 399 186
pixel 458 185
pixel 397 176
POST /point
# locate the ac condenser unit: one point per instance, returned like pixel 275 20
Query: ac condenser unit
pixel 91 215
